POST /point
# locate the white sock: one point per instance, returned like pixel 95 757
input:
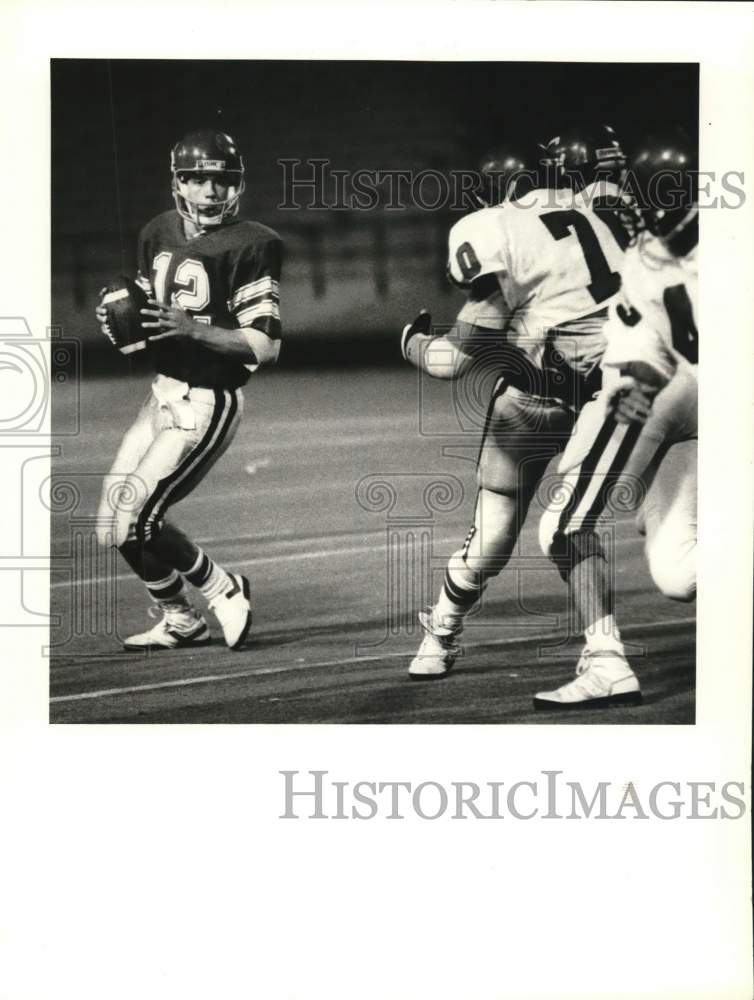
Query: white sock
pixel 169 593
pixel 460 592
pixel 604 635
pixel 209 579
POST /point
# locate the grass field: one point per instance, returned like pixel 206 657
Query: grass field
pixel 336 576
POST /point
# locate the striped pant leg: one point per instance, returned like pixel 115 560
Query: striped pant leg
pixel 603 459
pixel 607 460
pixel 227 408
pixel 179 459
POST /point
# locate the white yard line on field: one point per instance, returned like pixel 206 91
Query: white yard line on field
pixel 290 667
pixel 235 563
pixel 23 563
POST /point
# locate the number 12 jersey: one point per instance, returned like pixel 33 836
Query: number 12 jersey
pixel 226 276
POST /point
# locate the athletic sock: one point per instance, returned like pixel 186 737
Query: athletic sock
pixel 603 636
pixel 460 591
pixel 209 578
pixel 169 593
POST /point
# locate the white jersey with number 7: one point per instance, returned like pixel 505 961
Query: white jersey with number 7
pixel 549 259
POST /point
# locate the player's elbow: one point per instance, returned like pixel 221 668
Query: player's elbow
pixel 269 353
pixel 263 349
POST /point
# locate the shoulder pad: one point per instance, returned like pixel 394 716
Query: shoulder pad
pixel 244 236
pixel 157 223
pixel 257 231
pixel 476 245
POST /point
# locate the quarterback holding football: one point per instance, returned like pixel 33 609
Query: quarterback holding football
pixel 205 309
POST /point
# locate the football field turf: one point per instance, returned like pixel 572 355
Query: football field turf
pixel 335 570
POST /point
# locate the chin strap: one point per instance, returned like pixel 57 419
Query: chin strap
pixel 229 207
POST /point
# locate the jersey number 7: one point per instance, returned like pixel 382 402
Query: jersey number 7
pixel 605 283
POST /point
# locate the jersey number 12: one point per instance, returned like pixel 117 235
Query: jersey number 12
pixel 190 276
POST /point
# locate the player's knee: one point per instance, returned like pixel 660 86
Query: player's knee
pixel 548 528
pixel 106 532
pixel 113 529
pixel 500 478
pixel 120 509
pixel 467 571
pixel 486 564
pixel 483 557
pixel 675 584
pixel 675 576
pixel 566 551
pixel 130 550
pixel 489 544
pixel 105 527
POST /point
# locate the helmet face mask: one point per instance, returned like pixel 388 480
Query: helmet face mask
pixel 202 212
pixel 199 155
pixel 664 180
pixel 579 158
pixel 678 229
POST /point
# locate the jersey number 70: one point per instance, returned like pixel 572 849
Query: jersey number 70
pixel 605 283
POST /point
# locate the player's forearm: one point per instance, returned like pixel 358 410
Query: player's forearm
pixel 439 357
pixel 242 344
pixel 265 348
pixel 451 355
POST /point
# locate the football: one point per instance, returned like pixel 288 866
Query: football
pixel 123 301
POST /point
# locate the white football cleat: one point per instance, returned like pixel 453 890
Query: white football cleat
pixel 438 651
pixel 233 611
pixel 179 627
pixel 602 679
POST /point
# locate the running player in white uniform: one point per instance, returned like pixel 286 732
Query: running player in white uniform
pixel 540 271
pixel 637 441
pixel 213 319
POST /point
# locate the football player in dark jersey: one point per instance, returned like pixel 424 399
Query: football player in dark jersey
pixel 212 319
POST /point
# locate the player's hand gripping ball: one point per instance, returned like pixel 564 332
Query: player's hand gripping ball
pixel 119 315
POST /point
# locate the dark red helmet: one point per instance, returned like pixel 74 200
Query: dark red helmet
pixel 664 181
pixel 582 156
pixel 505 175
pixel 203 152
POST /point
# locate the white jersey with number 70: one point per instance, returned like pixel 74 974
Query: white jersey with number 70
pixel 548 259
